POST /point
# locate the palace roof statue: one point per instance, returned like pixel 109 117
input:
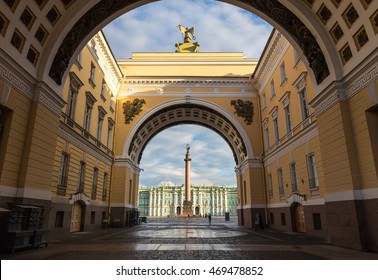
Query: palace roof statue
pixel 187 46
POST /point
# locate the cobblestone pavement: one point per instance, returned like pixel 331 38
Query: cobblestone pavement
pixel 187 239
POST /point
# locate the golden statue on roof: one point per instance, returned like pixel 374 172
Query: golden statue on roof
pixel 187 46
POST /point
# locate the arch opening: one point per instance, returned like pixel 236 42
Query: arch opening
pixel 187 113
pixel 279 15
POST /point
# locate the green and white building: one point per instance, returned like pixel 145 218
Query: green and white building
pixel 168 200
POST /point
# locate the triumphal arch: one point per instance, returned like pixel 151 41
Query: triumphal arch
pixel 336 41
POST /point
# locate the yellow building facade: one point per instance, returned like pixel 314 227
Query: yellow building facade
pixel 306 156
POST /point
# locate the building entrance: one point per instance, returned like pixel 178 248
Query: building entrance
pixel 78 212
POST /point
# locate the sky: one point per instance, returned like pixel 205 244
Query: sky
pixel 219 27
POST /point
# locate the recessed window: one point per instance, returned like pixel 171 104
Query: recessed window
pixel 93 217
pixel 283 219
pixel 316 218
pixel 59 218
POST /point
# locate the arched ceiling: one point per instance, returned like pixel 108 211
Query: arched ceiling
pixel 186 113
pixel 43 36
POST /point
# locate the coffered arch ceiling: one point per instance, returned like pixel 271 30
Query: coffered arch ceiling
pixel 334 36
pixel 277 13
pixel 176 113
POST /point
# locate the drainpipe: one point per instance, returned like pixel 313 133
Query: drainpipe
pixel 263 169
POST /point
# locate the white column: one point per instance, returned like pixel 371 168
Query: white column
pixel 154 203
pixel 225 201
pixel 150 204
pixel 212 202
pixel 200 203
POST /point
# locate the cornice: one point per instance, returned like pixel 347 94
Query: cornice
pixel 126 162
pixel 344 90
pixel 10 72
pixel 242 82
pixel 74 138
pixel 44 95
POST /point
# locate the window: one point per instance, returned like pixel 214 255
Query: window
pixel 105 186
pixel 88 112
pixel 272 218
pixel 112 103
pixel 71 102
pixel 276 129
pixel 81 176
pixel 283 73
pixel 312 174
pixel 110 133
pixel 101 116
pixel 283 219
pixel 63 174
pixel 272 90
pixel 267 142
pixel 59 218
pixel 296 57
pixel 288 118
pixel 94 183
pixel 294 181
pixel 245 192
pixel 263 101
pixel 93 217
pixel 103 90
pixel 280 181
pixel 303 104
pixel 78 60
pixel 92 74
pixel 270 185
pixel 317 221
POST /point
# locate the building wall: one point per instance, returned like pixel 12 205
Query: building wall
pixel 292 141
pixel 83 144
pixel 168 200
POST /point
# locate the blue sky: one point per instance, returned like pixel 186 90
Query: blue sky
pixel 219 27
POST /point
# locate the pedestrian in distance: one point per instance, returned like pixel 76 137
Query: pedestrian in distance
pixel 209 219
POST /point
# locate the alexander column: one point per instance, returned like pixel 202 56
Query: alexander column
pixel 187 202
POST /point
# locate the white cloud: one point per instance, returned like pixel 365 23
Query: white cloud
pixel 218 27
pixel 163 159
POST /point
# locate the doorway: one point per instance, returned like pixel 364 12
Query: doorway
pixel 77 219
pixel 299 224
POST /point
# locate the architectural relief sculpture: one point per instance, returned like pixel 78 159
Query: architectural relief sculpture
pixel 243 109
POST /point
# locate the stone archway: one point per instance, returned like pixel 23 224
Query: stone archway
pixel 195 112
pixel 303 33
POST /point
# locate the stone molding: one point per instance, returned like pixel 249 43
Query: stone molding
pixel 14 80
pixel 340 91
pixel 127 162
pixel 74 138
